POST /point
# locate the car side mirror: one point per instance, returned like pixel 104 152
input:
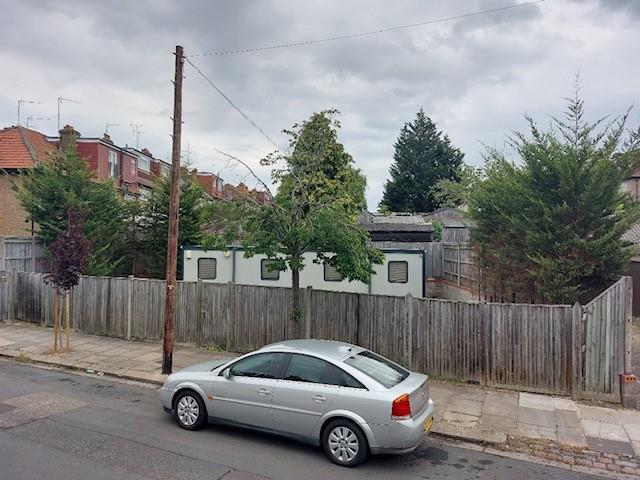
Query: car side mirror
pixel 227 373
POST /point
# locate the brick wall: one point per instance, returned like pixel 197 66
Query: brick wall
pixel 12 215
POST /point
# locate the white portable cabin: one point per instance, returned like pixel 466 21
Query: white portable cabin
pixel 402 272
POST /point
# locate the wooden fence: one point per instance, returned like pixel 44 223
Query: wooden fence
pixel 558 349
pixel 22 254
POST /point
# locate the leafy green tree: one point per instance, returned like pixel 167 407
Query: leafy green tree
pixel 549 227
pixel 63 183
pixel 154 224
pixel 315 209
pixel 455 193
pixel 423 156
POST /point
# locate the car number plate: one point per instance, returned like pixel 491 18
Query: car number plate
pixel 428 424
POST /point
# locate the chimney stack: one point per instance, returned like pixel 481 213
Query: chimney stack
pixel 67 135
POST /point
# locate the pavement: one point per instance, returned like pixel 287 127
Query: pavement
pixel 77 427
pixel 557 429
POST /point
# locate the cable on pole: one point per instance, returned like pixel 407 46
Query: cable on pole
pixel 236 107
pixel 363 34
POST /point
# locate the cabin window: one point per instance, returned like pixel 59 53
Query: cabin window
pixel 398 272
pixel 207 268
pixel 268 270
pixel 331 274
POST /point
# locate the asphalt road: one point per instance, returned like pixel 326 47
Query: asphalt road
pixel 105 429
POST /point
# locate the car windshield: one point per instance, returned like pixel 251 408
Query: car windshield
pixel 379 368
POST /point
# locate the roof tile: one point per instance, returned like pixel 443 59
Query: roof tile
pixel 22 147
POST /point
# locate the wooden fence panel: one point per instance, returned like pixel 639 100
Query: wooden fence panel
pixel 529 346
pixel 381 327
pixel 603 333
pixel 257 316
pixel 148 309
pixel 556 349
pixel 215 302
pixel 331 315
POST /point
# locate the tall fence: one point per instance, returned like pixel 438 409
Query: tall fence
pixel 22 254
pixel 560 349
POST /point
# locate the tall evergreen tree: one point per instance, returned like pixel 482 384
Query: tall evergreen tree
pixel 154 222
pixel 64 183
pixel 549 227
pixel 423 157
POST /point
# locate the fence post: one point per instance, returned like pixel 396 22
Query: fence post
pixel 129 305
pixel 408 330
pixel 307 292
pixel 3 265
pixel 33 254
pixel 485 308
pixel 227 318
pixel 628 318
pixel 199 327
pixel 459 270
pixel 576 350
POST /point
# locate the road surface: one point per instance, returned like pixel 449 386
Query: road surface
pixel 60 426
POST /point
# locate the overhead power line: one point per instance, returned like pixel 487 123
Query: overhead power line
pixel 365 34
pixel 236 107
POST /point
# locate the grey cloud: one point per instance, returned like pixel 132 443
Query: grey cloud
pixel 475 77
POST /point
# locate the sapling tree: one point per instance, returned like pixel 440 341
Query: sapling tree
pixel 70 252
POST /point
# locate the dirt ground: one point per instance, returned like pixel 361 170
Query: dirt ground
pixel 635 346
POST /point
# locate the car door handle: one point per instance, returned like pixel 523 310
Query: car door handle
pixel 319 398
pixel 263 391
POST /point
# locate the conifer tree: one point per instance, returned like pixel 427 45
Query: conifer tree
pixel 423 157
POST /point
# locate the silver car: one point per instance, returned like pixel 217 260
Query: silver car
pixel 343 397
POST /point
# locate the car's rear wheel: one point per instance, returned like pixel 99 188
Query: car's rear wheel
pixel 344 443
pixel 189 410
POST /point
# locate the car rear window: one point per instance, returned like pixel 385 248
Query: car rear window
pixel 379 368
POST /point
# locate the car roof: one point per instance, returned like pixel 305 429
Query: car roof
pixel 327 348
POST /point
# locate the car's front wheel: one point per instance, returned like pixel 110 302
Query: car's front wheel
pixel 189 410
pixel 344 443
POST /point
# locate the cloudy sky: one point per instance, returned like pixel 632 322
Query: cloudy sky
pixel 475 77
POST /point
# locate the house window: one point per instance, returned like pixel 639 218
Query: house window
pixel 207 268
pixel 268 270
pixel 143 163
pixel 133 166
pixel 398 272
pixel 331 274
pixel 113 164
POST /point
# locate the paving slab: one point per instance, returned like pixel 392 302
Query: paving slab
pixel 633 431
pixel 455 417
pixel 461 405
pixel 610 431
pixel 574 437
pixel 599 414
pixel 565 404
pixel 610 446
pixel 539 402
pixel 536 417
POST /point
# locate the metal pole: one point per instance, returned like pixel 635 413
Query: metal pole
pixel 174 204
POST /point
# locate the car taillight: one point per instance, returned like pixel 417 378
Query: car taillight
pixel 401 408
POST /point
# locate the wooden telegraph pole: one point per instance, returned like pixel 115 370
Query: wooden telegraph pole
pixel 174 205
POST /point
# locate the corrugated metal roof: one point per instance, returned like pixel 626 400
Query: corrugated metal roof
pixel 633 234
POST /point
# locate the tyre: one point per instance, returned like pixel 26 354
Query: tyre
pixel 189 410
pixel 344 443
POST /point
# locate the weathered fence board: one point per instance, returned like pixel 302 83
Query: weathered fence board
pixel 22 254
pixel 558 349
